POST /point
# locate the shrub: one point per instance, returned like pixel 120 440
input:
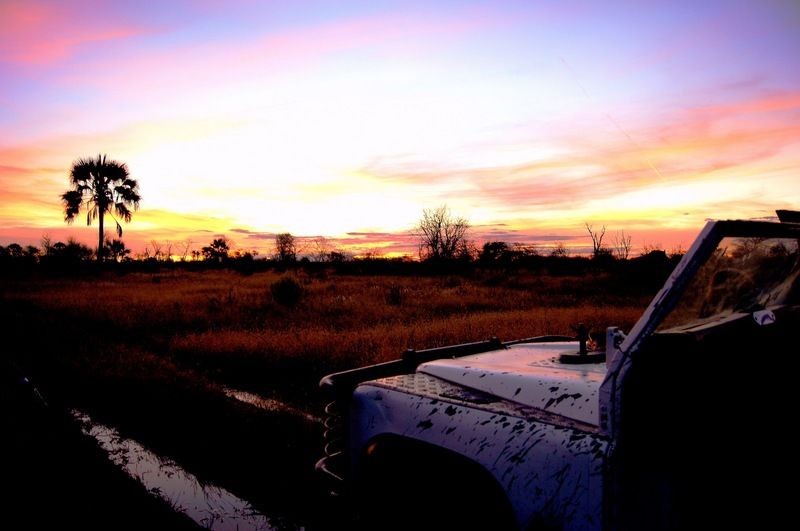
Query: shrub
pixel 286 291
pixel 394 296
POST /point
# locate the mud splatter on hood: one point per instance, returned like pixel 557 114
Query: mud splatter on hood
pixel 529 374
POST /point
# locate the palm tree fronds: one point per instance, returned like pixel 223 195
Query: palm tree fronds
pixel 123 211
pixel 101 186
pixel 72 204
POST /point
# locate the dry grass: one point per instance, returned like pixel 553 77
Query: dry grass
pixel 227 327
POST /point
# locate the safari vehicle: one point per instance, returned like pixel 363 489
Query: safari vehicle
pixel 685 422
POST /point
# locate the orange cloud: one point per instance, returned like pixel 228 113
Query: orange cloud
pixel 698 143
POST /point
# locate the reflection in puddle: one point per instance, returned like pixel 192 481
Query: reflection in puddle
pixel 269 404
pixel 210 506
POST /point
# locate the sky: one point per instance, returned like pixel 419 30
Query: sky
pixel 345 120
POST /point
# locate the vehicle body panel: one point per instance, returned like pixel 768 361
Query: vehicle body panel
pixel 531 375
pixel 551 471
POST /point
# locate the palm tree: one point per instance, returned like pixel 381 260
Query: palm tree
pixel 101 187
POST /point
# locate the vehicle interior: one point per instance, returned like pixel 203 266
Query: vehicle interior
pixel 710 398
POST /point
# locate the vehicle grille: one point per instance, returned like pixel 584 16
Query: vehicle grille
pixel 334 429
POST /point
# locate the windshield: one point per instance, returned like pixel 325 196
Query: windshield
pixel 742 275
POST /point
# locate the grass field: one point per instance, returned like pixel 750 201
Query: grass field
pixel 151 353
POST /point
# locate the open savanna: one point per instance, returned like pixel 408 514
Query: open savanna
pixel 151 353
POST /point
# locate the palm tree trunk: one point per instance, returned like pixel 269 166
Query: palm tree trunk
pixel 100 238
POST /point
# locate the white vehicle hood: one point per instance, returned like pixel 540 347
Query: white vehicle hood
pixel 529 374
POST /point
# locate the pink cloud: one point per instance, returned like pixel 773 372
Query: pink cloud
pixel 38 33
pixel 184 68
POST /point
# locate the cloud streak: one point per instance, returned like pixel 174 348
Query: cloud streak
pixel 704 142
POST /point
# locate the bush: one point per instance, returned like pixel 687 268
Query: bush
pixel 286 291
pixel 394 296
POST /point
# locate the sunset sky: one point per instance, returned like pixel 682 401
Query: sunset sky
pixel 347 119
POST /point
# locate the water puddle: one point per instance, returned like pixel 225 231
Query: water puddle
pixel 269 404
pixel 210 506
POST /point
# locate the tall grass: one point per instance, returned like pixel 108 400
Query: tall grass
pixel 229 328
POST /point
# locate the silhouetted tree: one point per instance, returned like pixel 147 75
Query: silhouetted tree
pixel 245 255
pixel 47 245
pixel 218 250
pixel 101 186
pixel 493 252
pixel 524 250
pixel 559 250
pixel 285 248
pixel 371 254
pixel 320 249
pixel 597 240
pixel 677 250
pixel 441 235
pixel 622 245
pixel 71 252
pixel 18 254
pixel 156 253
pixel 186 249
pixel 116 250
pixel 14 250
pixel 161 251
pixel 337 257
pixel 648 248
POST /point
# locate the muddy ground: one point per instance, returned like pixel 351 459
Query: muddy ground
pixel 56 478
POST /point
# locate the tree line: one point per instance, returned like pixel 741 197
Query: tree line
pixel 102 188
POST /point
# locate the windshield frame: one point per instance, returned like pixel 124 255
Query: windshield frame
pixel 662 304
pixel 705 245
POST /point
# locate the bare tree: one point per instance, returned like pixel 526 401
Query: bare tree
pixel 677 250
pixel 560 250
pixel 648 248
pixel 186 249
pixel 157 253
pixel 162 251
pixel 522 250
pixel 622 245
pixel 597 239
pixel 441 235
pixel 285 247
pixel 320 249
